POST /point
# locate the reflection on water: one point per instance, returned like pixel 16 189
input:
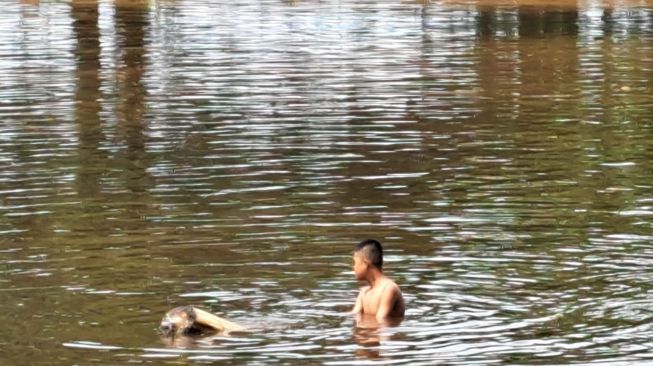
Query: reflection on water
pixel 229 154
pixel 372 336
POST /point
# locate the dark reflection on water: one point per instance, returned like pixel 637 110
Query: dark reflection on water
pixel 228 154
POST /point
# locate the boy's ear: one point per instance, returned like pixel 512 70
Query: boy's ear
pixel 365 261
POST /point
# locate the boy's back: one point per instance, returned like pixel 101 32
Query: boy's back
pixel 383 301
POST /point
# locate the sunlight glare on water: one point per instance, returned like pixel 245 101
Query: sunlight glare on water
pixel 229 154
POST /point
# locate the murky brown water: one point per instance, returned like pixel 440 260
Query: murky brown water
pixel 229 154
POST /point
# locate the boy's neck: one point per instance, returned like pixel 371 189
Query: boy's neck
pixel 374 276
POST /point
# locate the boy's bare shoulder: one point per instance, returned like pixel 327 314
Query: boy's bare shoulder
pixel 392 284
pixel 397 286
pixel 392 290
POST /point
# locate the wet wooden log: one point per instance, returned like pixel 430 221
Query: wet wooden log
pixel 190 320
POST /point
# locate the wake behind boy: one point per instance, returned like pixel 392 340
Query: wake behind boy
pixel 382 297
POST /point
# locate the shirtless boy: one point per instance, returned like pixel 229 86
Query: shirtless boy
pixel 382 298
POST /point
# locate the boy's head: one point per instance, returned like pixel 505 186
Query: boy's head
pixel 367 253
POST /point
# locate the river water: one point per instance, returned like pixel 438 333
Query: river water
pixel 229 154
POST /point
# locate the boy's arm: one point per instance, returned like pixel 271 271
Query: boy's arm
pixel 358 308
pixel 388 299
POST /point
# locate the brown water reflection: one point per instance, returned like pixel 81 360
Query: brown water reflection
pixel 228 154
pixel 371 336
pixel 92 161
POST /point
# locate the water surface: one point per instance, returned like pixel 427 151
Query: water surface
pixel 230 154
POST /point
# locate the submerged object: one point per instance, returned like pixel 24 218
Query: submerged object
pixel 190 320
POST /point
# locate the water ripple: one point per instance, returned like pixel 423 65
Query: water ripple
pixel 228 155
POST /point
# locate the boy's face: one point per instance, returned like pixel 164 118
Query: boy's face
pixel 359 265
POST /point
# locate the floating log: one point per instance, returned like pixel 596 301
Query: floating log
pixel 190 320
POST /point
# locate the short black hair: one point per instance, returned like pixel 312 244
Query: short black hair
pixel 372 251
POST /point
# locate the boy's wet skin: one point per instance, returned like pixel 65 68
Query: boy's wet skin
pixel 382 297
